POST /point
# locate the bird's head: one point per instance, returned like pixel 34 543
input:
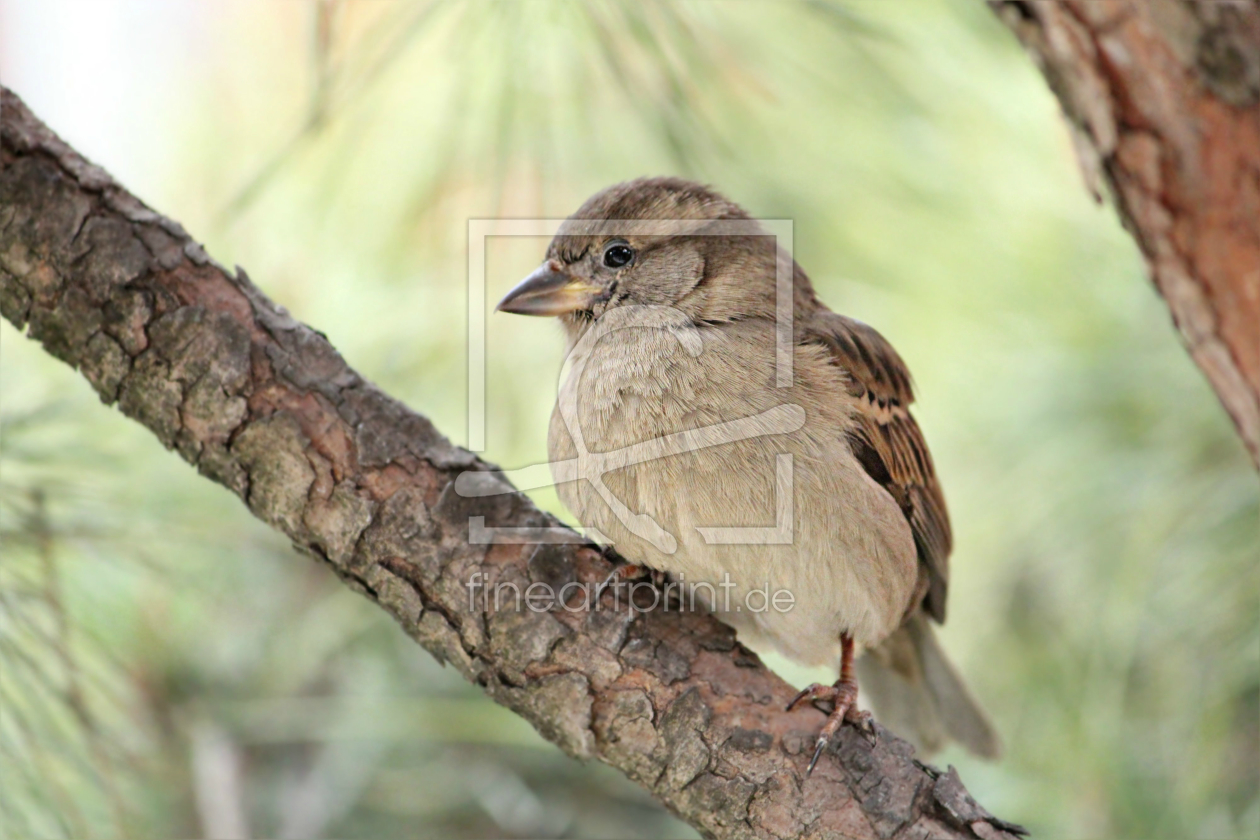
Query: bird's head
pixel 652 242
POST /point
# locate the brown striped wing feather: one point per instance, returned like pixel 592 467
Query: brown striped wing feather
pixel 889 443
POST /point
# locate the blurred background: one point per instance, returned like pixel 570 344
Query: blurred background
pixel 170 667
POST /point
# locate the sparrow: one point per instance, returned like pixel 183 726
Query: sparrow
pixel 699 458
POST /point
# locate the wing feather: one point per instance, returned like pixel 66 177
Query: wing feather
pixel 889 443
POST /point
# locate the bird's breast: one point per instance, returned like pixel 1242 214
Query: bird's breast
pixel 681 469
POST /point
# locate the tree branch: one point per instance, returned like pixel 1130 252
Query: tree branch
pixel 266 407
pixel 1163 98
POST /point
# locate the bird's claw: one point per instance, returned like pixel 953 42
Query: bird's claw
pixel 865 723
pixel 818 748
pixel 815 691
pixel 843 696
pixel 627 572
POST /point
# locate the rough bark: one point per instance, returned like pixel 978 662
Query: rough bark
pixel 266 407
pixel 1163 98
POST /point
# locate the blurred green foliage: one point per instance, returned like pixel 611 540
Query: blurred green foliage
pixel 168 666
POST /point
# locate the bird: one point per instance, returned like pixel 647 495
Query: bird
pixel 676 410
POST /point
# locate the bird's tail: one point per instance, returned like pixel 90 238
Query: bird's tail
pixel 916 692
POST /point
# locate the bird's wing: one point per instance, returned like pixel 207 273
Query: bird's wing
pixel 888 442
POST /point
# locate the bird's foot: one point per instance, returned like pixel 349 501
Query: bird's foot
pixel 628 572
pixel 633 573
pixel 843 697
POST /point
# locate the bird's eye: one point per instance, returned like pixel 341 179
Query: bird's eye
pixel 618 254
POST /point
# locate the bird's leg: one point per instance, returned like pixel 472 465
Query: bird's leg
pixel 843 697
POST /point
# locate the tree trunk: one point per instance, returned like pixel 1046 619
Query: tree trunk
pixel 1163 99
pixel 266 407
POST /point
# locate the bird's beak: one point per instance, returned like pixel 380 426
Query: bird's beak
pixel 549 291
